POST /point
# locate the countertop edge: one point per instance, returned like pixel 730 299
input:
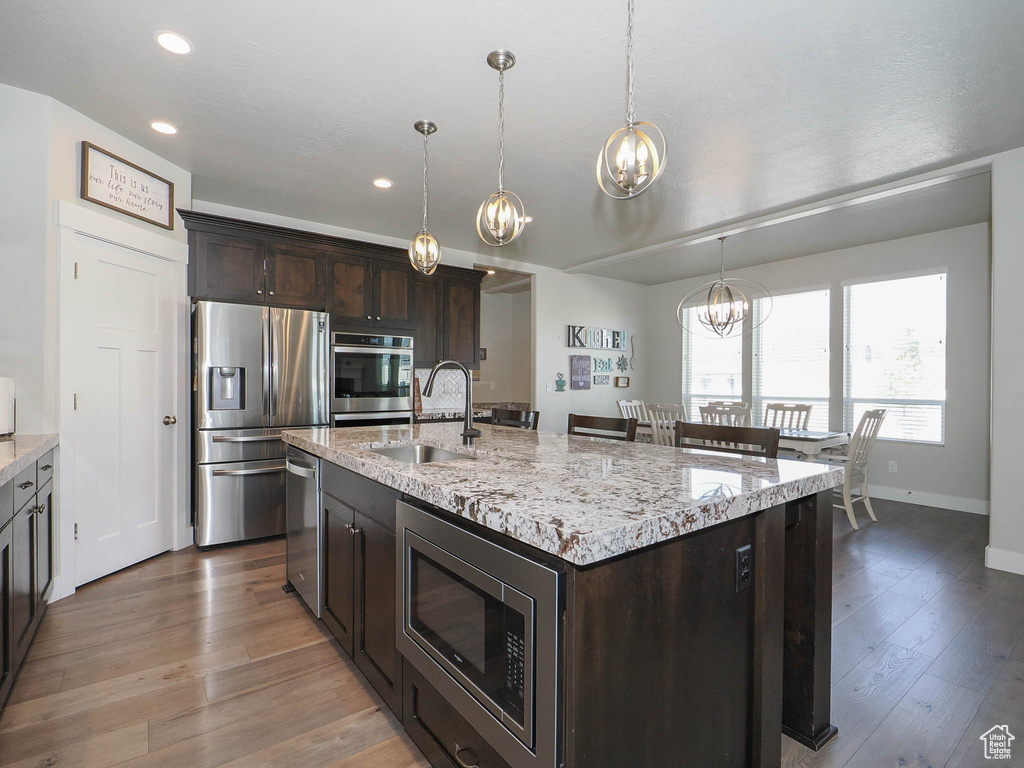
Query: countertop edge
pixel 580 549
pixel 21 461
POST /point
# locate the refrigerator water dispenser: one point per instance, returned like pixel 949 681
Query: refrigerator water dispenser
pixel 227 389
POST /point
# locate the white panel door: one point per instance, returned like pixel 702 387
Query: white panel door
pixel 124 458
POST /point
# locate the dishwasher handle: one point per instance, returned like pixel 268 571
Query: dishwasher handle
pixel 301 471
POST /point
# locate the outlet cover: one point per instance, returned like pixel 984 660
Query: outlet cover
pixel 893 468
pixel 548 387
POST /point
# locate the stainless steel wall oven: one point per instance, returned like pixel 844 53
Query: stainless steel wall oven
pixel 480 622
pixel 371 377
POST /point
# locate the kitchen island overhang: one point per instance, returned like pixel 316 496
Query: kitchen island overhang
pixel 663 652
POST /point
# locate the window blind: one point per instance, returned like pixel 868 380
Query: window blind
pixel 712 370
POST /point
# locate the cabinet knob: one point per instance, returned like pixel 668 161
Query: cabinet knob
pixel 271 293
pixel 168 420
pixel 368 317
pixel 259 291
pixel 378 318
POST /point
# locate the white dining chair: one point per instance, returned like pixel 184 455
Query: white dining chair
pixel 663 421
pixel 787 415
pixel 632 409
pixel 856 459
pixel 725 415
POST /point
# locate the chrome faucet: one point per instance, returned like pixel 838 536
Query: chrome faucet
pixel 470 431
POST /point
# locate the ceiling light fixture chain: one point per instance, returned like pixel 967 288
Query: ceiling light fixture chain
pixel 630 113
pixel 424 250
pixel 425 198
pixel 501 217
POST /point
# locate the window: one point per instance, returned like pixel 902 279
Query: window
pixel 712 370
pixel 791 355
pixel 896 356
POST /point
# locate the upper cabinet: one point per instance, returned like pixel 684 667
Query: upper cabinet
pixel 366 287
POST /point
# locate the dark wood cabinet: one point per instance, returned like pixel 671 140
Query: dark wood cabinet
pixel 226 267
pixel 6 620
pixel 295 276
pixel 429 330
pixel 349 290
pixel 24 602
pixel 44 544
pixel 339 570
pixel 394 295
pixel 462 321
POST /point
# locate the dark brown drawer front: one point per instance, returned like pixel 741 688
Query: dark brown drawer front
pixel 44 470
pixel 24 487
pixel 446 739
pixel 362 494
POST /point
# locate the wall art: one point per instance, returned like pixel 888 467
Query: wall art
pixel 601 379
pixel 122 186
pixel 622 363
pixel 579 373
pixel 622 381
pixel 591 337
pixel 603 365
pixel 560 383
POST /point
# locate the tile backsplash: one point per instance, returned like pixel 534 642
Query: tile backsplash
pixel 449 389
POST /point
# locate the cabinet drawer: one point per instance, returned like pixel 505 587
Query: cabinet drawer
pixel 6 505
pixel 44 470
pixel 362 494
pixel 439 731
pixel 24 487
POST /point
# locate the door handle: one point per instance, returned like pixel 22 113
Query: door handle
pixel 462 762
pixel 233 472
pixel 246 439
pixel 298 469
pixel 169 420
pixel 352 529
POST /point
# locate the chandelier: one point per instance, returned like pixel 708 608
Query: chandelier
pixel 501 217
pixel 720 309
pixel 633 157
pixel 424 250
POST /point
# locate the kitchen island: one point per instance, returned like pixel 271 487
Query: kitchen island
pixel 695 588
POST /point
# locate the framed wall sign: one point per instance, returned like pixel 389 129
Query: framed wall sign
pixel 622 381
pixel 120 185
pixel 579 369
pixel 601 379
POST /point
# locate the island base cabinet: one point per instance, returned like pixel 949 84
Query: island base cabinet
pixel 375 651
pixel 339 570
pixel 441 733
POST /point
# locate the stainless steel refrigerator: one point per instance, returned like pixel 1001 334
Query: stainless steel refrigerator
pixel 256 370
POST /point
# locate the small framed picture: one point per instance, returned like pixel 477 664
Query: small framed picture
pixel 622 381
pixel 483 353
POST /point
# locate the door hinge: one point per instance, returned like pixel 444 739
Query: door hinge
pixel 76 531
pixel 76 401
pixel 76 270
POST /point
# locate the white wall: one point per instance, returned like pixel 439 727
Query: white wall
pixel 1006 530
pixel 505 376
pixel 954 475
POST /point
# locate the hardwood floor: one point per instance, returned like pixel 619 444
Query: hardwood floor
pixel 199 659
pixel 195 659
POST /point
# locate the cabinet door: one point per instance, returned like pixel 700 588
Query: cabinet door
pixel 44 545
pixel 462 321
pixel 349 290
pixel 228 267
pixel 429 328
pixel 295 276
pixel 339 570
pixel 394 296
pixel 6 620
pixel 23 599
pixel 375 651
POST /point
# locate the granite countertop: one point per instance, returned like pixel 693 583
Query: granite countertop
pixel 581 499
pixel 440 414
pixel 19 451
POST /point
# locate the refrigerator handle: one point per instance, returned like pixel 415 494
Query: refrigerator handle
pixel 275 342
pixel 265 353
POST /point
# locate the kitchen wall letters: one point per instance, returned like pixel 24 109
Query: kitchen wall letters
pixel 590 337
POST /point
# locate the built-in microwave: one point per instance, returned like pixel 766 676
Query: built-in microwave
pixel 371 374
pixel 480 623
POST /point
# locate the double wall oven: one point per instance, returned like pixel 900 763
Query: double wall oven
pixel 480 623
pixel 371 380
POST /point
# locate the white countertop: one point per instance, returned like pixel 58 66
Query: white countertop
pixel 17 452
pixel 581 499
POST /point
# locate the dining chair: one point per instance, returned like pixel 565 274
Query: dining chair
pixel 632 409
pixel 594 426
pixel 787 415
pixel 505 418
pixel 663 421
pixel 727 415
pixel 749 441
pixel 856 459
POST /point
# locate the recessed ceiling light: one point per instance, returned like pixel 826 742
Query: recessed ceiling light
pixel 161 127
pixel 528 219
pixel 383 183
pixel 490 271
pixel 173 42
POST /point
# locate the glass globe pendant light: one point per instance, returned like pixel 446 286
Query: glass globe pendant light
pixel 501 217
pixel 720 309
pixel 424 250
pixel 633 158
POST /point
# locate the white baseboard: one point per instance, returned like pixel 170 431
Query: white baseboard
pixel 1004 560
pixel 974 506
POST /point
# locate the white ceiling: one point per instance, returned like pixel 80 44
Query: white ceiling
pixel 293 107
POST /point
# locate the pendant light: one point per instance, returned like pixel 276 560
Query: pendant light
pixel 721 307
pixel 501 217
pixel 633 158
pixel 424 250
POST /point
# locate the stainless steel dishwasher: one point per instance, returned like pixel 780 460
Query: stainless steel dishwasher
pixel 302 518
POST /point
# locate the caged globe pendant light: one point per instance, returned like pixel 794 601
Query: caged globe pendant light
pixel 501 217
pixel 633 158
pixel 719 309
pixel 424 250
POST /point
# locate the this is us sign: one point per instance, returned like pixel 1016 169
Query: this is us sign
pixel 589 337
pixel 115 183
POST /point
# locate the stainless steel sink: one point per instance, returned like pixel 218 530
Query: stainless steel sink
pixel 419 454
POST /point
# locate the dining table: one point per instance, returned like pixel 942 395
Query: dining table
pixel 807 444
